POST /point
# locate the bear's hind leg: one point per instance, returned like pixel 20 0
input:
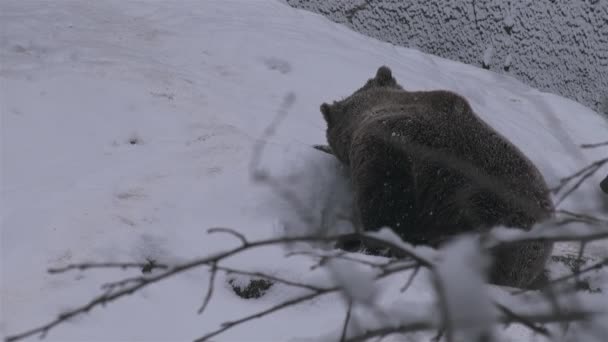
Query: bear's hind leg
pixel 519 264
pixel 384 192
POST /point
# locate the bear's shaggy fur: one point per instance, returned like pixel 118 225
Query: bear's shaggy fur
pixel 424 164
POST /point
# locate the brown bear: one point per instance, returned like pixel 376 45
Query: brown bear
pixel 425 165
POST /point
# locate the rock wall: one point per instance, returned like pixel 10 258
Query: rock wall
pixel 559 46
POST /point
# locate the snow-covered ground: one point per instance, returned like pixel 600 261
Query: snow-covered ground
pixel 127 131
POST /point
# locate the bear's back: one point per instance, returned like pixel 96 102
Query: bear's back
pixel 453 151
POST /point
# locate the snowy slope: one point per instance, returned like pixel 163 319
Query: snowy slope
pixel 127 130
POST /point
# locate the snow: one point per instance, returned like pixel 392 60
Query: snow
pixel 127 131
pixel 461 280
pixel 356 280
pixel 422 252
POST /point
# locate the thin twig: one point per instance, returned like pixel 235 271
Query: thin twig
pixel 410 279
pixel 213 272
pixel 342 256
pixel 516 318
pixel 260 145
pixel 115 265
pixel 581 180
pixel 605 143
pixel 512 317
pixel 228 325
pixel 122 282
pixel 564 181
pixel 594 267
pixel 346 321
pixel 596 233
pixel 273 278
pixel 579 260
pixel 232 232
pixel 421 325
pixel 259 175
pixel 446 320
pixel 582 175
pixel 552 296
pixel 585 218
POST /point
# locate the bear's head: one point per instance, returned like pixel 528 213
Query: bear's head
pixel 341 116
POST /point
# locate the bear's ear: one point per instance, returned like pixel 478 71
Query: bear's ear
pixel 384 75
pixel 325 111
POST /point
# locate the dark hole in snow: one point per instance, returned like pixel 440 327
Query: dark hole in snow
pixel 134 141
pixel 256 288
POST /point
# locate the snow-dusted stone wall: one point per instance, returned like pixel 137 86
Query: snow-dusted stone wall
pixel 559 46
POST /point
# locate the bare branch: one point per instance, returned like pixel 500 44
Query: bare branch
pixel 346 321
pixel 260 175
pixel 513 317
pixel 123 282
pixel 421 325
pixel 579 260
pixel 232 232
pixel 589 233
pixel 151 264
pixel 583 218
pixel 593 267
pixel 508 318
pixel 410 279
pixel 285 304
pixel 63 317
pixel 579 178
pixel 605 143
pixel 446 320
pixel 212 273
pixel 273 278
pixel 258 149
pixel 343 256
pixel 556 308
